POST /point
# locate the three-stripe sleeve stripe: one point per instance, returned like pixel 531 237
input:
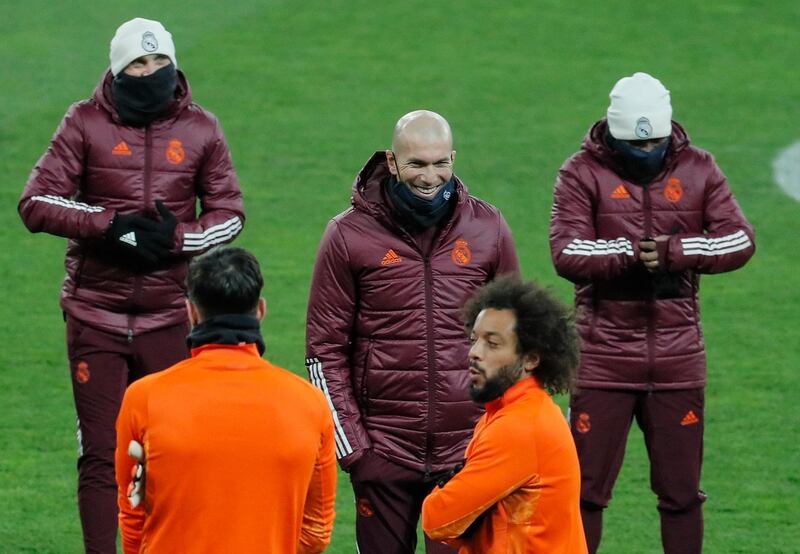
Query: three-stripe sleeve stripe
pixel 601 247
pixel 67 203
pixel 705 246
pixel 314 367
pixel 215 234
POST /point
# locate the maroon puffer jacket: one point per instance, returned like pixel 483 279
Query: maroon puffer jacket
pixel 642 331
pixel 95 167
pixel 384 339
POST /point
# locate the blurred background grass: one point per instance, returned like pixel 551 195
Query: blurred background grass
pixel 306 91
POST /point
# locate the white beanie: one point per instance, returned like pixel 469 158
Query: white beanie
pixel 139 37
pixel 640 109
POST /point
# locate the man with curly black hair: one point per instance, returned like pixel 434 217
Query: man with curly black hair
pixel 520 482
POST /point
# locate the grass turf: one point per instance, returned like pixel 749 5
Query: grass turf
pixel 306 91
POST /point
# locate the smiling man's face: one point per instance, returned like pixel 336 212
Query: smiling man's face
pixel 425 166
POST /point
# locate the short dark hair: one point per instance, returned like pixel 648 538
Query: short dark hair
pixel 545 327
pixel 225 280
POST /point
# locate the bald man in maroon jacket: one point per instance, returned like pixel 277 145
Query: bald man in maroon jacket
pixel 384 340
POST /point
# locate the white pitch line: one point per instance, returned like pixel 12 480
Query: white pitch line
pixel 786 170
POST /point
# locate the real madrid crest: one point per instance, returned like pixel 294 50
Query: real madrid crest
pixel 674 190
pixel 149 42
pixel 461 254
pixel 643 128
pixel 175 153
pixel 583 423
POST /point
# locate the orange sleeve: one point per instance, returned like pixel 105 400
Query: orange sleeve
pixel 319 511
pixel 500 460
pixel 130 426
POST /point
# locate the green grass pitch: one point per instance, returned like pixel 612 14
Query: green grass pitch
pixel 306 91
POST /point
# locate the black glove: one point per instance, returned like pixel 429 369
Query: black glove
pixel 140 236
pixel 166 227
pixel 441 480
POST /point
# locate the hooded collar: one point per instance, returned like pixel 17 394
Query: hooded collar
pixel 103 96
pixel 368 193
pixel 595 144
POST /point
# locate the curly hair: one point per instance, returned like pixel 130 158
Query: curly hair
pixel 545 327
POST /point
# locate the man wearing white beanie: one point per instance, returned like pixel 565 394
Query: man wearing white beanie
pixel 638 215
pixel 120 179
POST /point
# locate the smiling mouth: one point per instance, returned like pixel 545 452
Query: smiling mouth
pixel 427 191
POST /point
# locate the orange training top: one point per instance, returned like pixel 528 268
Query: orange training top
pixel 239 457
pixel 520 488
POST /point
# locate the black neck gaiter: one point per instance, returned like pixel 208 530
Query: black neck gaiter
pixel 640 166
pixel 419 212
pixel 227 329
pixel 142 100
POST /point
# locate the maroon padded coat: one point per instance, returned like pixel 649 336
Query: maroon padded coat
pixel 641 331
pixel 384 339
pixel 96 167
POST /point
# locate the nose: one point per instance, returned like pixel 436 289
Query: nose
pixel 149 68
pixel 428 176
pixel 474 352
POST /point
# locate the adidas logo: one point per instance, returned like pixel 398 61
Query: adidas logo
pixel 690 418
pixel 620 193
pixel 121 149
pixel 390 258
pixel 129 238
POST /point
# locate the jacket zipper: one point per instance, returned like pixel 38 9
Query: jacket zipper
pixel 431 360
pixel 137 280
pixel 651 302
pixel 426 260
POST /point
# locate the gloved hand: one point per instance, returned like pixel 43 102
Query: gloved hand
pixel 442 480
pixel 150 240
pixel 138 236
pixel 166 227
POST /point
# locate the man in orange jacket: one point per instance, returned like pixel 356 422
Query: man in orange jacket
pixel 519 489
pixel 238 454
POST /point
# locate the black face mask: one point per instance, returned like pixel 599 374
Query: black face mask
pixel 641 166
pixel 421 212
pixel 142 100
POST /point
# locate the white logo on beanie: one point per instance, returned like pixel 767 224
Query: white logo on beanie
pixel 149 42
pixel 643 128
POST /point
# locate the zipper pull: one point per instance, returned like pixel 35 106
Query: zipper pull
pixel 130 336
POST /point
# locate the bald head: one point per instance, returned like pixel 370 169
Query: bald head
pixel 421 127
pixel 422 152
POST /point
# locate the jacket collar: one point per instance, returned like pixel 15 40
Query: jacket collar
pixel 183 97
pixel 368 188
pixel 595 144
